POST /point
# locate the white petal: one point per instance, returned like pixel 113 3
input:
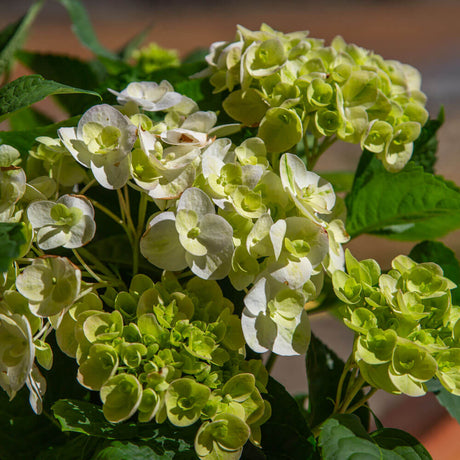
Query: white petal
pixel 76 147
pixel 259 331
pixel 78 201
pixel 111 175
pixel 200 121
pixel 257 298
pixel 195 199
pixel 160 244
pixel 180 136
pixel 293 341
pixel 277 234
pixel 292 274
pixel 81 233
pixel 50 237
pixel 38 213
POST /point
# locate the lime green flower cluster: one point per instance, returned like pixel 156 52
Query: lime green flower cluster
pixel 153 57
pixel 170 353
pixel 288 84
pixel 407 330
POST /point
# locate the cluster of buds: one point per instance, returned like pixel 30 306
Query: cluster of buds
pixel 407 330
pixel 288 84
pixel 170 353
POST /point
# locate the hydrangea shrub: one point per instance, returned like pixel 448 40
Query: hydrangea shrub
pixel 157 243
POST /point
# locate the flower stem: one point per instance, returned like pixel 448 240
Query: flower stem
pixel 357 385
pixel 362 401
pixel 87 268
pixel 345 371
pixel 87 187
pixel 272 357
pixel 107 212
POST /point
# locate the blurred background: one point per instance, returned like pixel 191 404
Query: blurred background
pixel 423 33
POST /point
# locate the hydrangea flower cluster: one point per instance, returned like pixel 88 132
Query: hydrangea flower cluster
pixel 288 84
pixel 31 302
pixel 407 330
pixel 227 210
pixel 168 352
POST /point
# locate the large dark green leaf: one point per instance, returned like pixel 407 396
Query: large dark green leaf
pixel 81 26
pixel 286 434
pixel 426 146
pixel 24 434
pixel 79 447
pixel 29 89
pixel 12 239
pixel 410 205
pixel 86 418
pixel 66 70
pixel 123 450
pixel 324 369
pixel 24 140
pixel 13 36
pixel 434 251
pixel 401 443
pixel 342 437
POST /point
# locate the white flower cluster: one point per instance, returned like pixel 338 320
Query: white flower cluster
pixel 225 209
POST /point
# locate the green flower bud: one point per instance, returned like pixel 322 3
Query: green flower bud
pixel 121 396
pixel 103 327
pixel 98 367
pixel 223 437
pixel 280 129
pixel 185 399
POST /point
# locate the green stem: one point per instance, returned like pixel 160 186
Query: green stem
pixel 357 385
pixel 107 212
pixel 272 357
pixel 362 401
pixel 96 262
pixel 87 268
pixel 141 215
pixel 87 186
pixel 306 146
pixel 338 396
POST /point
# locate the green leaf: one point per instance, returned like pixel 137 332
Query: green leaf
pixel 286 434
pixel 342 181
pixel 87 418
pixel 324 369
pixel 67 70
pixel 24 434
pixel 343 437
pixel 12 238
pixel 434 251
pixel 80 447
pixel 14 35
pixel 118 450
pixel 400 443
pixel 28 118
pixel 29 89
pixel 24 140
pixel 426 145
pixel 82 28
pixel 408 205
